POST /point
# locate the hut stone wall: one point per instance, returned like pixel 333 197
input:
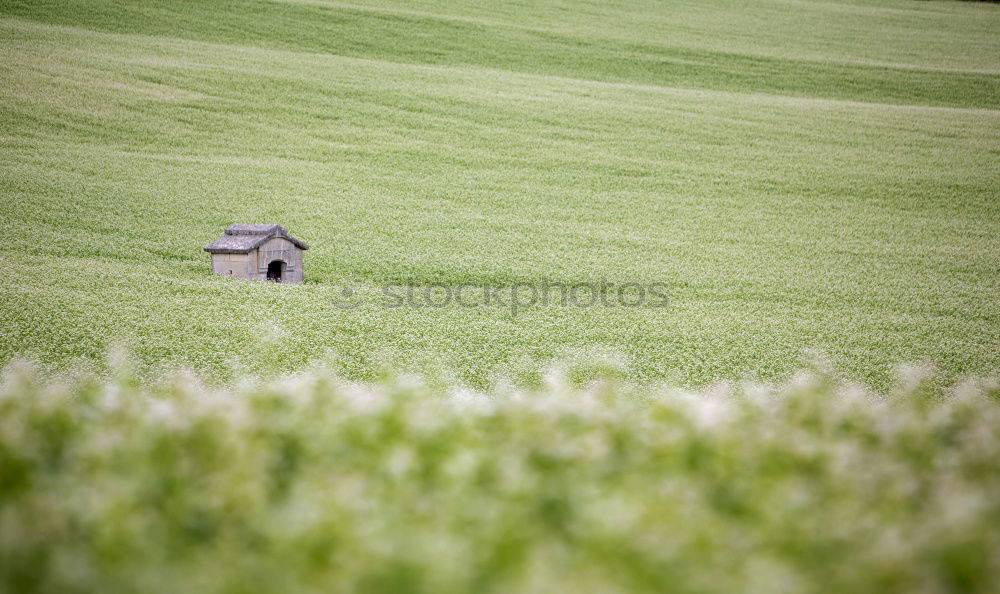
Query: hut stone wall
pixel 238 265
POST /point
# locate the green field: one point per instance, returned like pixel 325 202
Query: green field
pixel 316 485
pixel 815 183
pixel 802 175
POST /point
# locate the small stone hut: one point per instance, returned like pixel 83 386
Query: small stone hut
pixel 258 252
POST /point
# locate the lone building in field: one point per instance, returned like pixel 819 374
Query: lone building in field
pixel 258 252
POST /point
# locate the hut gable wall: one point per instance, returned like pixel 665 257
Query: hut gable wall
pixel 279 248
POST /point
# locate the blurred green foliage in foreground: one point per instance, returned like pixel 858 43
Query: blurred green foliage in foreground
pixel 313 484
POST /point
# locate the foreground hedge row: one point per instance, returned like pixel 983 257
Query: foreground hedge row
pixel 315 485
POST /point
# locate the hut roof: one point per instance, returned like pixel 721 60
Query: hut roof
pixel 241 238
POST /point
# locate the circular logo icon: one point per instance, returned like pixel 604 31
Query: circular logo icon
pixel 346 298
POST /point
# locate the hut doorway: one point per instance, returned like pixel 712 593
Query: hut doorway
pixel 275 270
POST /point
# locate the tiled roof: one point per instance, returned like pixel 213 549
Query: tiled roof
pixel 245 229
pixel 241 238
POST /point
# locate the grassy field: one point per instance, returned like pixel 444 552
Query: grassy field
pixel 814 183
pixel 316 485
pixel 802 176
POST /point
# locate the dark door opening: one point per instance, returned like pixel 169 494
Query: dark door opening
pixel 275 270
